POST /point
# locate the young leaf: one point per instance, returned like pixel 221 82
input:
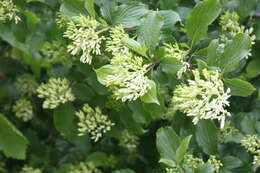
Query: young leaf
pixel 129 14
pixel 151 95
pixel 150 30
pixel 182 149
pixel 103 72
pixel 141 49
pixel 206 136
pixel 200 18
pixel 167 142
pixel 89 5
pixel 167 162
pixel 239 87
pixel 12 142
pixel 64 117
pixel 234 52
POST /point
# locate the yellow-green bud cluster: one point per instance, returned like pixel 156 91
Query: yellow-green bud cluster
pixel 23 109
pixel 129 141
pixel 177 51
pixel 215 163
pixel 228 130
pixel 192 162
pixel 8 11
pixel 111 161
pixel 61 20
pixel 28 169
pixel 57 91
pixel 229 22
pixel 84 167
pixel 56 51
pixel 252 144
pixel 93 122
pixel 114 44
pixel 203 98
pixel 85 39
pixel 26 85
pixel 172 170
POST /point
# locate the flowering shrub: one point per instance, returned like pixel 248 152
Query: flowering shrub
pixel 129 86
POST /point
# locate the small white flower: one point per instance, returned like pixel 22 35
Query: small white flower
pixel 203 98
pixel 93 122
pixel 85 39
pixel 57 91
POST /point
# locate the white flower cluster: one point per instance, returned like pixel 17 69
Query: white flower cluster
pixel 56 51
pixel 23 109
pixel 28 169
pixel 114 44
pixel 229 22
pixel 176 51
pixel 85 39
pixel 252 144
pixel 93 122
pixel 57 91
pixel 84 167
pixel 203 98
pixel 8 11
pixel 128 80
pixel 26 84
pixel 129 141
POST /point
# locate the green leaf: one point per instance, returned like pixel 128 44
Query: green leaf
pixel 12 143
pixel 151 95
pixel 124 171
pixel 166 4
pixel 205 168
pixel 103 72
pixel 64 116
pixel 170 18
pixel 239 87
pixel 150 30
pixel 212 55
pixel 230 163
pixel 89 5
pixel 72 8
pixel 129 14
pixel 182 149
pixel 170 65
pixel 200 18
pixel 234 52
pixel 206 136
pixel 167 142
pixel 245 7
pixel 252 68
pixel 83 92
pixel 141 49
pixel 168 162
pixel 97 158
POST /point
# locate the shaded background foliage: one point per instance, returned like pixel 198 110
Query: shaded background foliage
pixel 50 142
